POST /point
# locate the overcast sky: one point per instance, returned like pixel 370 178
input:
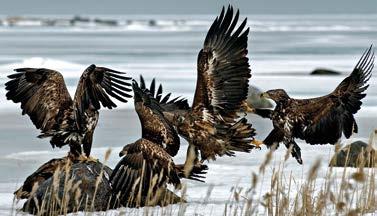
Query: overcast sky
pixel 19 7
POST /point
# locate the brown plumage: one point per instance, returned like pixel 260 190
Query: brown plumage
pixel 44 97
pixel 212 126
pixel 43 173
pixel 147 165
pixel 320 120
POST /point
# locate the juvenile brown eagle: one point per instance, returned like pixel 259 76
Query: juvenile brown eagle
pixel 211 125
pixel 44 97
pixel 147 165
pixel 319 120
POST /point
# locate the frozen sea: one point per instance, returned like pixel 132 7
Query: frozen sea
pixel 283 50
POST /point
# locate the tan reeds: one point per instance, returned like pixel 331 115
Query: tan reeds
pixel 340 191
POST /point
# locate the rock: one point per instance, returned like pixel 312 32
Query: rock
pixel 254 100
pixel 323 71
pixel 73 190
pixel 108 22
pixel 355 157
pixel 82 186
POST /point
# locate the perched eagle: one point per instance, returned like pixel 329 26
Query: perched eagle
pixel 319 120
pixel 147 165
pixel 211 125
pixel 44 97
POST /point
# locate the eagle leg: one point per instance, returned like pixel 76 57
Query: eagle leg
pixel 75 151
pixel 87 143
pixel 191 160
pixel 295 150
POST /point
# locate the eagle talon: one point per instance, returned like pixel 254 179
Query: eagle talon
pixel 257 143
pixel 85 159
pixel 91 159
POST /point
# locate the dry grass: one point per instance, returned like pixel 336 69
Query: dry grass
pixel 343 191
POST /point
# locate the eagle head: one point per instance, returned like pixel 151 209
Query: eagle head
pixel 277 95
pixel 124 151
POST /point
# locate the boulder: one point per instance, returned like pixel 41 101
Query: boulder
pixel 354 154
pixel 254 100
pixel 82 186
pixel 323 71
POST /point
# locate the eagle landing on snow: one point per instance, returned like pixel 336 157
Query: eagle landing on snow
pixel 320 120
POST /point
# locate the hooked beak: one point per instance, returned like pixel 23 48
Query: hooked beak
pixel 264 95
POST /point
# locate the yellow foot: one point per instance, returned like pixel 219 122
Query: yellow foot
pixel 247 108
pixel 83 158
pixel 89 159
pixel 257 143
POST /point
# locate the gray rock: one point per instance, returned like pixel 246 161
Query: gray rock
pixel 323 71
pixel 254 100
pixel 355 156
pixel 73 191
pixel 84 187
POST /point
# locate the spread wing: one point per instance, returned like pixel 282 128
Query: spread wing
pixel 42 93
pixel 153 123
pixel 97 85
pixel 332 115
pixel 144 169
pixel 223 68
pixel 165 102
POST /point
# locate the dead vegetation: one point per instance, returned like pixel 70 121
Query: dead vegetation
pixel 343 191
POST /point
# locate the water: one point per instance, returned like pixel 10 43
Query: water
pixel 283 50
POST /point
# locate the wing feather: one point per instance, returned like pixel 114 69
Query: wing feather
pixel 97 84
pixel 170 105
pixel 42 93
pixel 332 115
pixel 144 169
pixel 223 68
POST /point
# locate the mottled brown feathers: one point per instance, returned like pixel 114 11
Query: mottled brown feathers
pixel 320 120
pixel 223 67
pixel 42 94
pixel 153 123
pixel 45 99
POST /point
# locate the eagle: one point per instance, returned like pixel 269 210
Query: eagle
pixel 45 99
pixel 212 125
pixel 147 164
pixel 320 120
pixel 43 173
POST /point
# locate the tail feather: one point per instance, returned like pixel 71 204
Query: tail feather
pixel 239 136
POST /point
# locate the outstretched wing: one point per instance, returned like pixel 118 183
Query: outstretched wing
pixel 95 87
pixel 144 169
pixel 42 94
pixel 332 115
pixel 223 68
pixel 169 105
pixel 153 123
